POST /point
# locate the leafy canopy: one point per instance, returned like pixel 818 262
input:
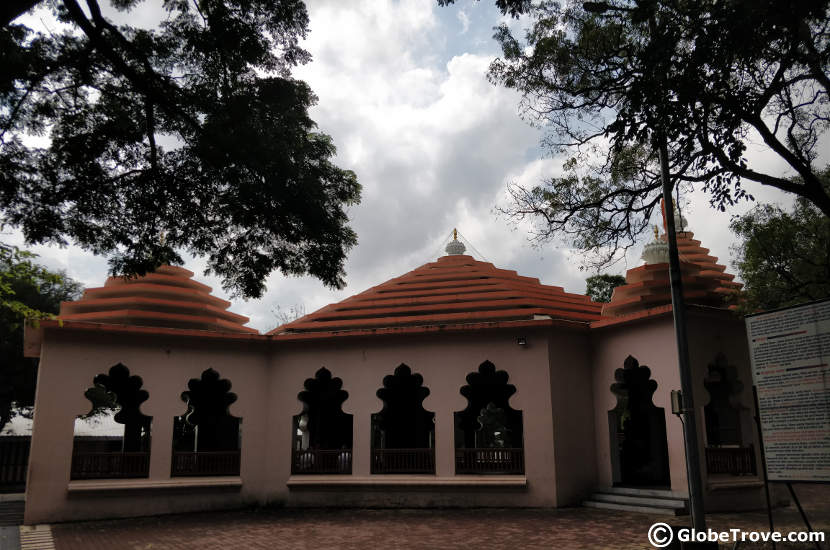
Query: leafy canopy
pixel 784 256
pixel 600 287
pixel 709 74
pixel 28 292
pixel 190 135
pixel 513 7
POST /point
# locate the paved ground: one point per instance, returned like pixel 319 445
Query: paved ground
pixel 570 529
pixel 9 537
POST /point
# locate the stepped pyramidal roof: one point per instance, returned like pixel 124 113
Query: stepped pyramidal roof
pixel 455 290
pixel 705 281
pixel 168 297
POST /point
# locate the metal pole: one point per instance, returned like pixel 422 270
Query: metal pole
pixel 763 459
pixel 686 381
pixel 679 311
pixel 801 511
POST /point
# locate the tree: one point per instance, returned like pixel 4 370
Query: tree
pixel 600 287
pixel 285 315
pixel 607 78
pixel 513 7
pixel 28 292
pixel 188 136
pixel 784 256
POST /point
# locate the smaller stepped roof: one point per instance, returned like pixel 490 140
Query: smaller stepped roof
pixel 705 281
pixel 454 290
pixel 167 297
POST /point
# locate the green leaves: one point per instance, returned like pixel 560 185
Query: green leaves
pixel 601 287
pixel 21 279
pixel 192 136
pixel 784 256
pixel 28 293
pixel 514 8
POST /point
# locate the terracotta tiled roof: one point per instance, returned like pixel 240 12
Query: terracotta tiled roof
pixel 169 297
pixel 690 250
pixel 705 282
pixel 453 290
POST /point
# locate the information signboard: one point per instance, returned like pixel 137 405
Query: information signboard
pixel 790 354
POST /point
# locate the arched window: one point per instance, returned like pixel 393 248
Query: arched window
pixel 489 432
pixel 403 433
pixel 725 453
pixel 322 432
pixel 113 439
pixel 206 438
pixel 723 426
pixel 639 449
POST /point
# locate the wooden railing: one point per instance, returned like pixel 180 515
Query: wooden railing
pixel 205 463
pixel 730 460
pixel 110 465
pixel 322 461
pixel 14 460
pixel 489 461
pixel 403 461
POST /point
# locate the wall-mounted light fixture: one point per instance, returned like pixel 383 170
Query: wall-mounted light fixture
pixel 522 341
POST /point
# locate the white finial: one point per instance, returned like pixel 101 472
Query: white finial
pixel 455 247
pixel 656 252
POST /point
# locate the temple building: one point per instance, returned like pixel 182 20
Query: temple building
pixel 456 384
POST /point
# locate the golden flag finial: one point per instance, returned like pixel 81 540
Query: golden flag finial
pixel 454 234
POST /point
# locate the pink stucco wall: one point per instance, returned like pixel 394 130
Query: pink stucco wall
pixel 573 415
pixel 562 377
pixel 652 342
pixel 70 361
pixel 444 362
pixel 267 378
pixel 709 335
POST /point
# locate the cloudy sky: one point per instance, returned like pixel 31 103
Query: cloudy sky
pixel 402 90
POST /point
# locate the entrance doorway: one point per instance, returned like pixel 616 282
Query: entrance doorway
pixel 639 449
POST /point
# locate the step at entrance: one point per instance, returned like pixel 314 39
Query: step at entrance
pixel 647 501
pixel 11 510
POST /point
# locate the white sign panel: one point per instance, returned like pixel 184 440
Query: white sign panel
pixel 790 354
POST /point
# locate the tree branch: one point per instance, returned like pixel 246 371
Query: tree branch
pixel 149 83
pixel 810 179
pixel 813 58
